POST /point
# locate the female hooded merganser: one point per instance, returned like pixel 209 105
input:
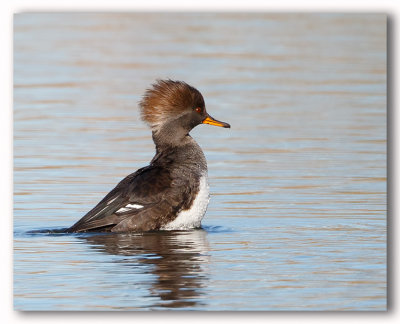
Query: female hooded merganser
pixel 172 192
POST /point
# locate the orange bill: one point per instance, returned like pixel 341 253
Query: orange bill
pixel 211 121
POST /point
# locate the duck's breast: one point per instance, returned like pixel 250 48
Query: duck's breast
pixel 191 218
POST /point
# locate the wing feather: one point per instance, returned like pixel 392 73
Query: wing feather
pixel 146 187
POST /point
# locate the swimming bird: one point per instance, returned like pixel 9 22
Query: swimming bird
pixel 172 192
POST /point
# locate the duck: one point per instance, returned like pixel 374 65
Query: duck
pixel 172 192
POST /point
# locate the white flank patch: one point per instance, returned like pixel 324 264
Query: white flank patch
pixel 192 217
pixel 136 206
pixel 129 207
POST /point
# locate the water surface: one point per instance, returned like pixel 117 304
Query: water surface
pixel 297 217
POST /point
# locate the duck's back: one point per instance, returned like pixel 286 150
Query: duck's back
pixel 171 193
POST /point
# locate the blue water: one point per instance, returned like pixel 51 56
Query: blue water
pixel 297 217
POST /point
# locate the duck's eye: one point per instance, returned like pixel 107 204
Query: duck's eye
pixel 199 110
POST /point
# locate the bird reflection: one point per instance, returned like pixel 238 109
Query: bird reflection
pixel 177 260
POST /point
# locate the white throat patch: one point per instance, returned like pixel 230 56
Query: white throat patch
pixel 191 218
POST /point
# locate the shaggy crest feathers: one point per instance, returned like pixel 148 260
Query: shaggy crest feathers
pixel 168 98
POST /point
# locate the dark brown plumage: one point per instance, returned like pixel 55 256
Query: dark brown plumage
pixel 155 196
pixel 168 99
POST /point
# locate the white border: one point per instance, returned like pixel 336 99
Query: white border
pixel 9 7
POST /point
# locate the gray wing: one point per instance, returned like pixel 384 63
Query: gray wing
pixel 142 201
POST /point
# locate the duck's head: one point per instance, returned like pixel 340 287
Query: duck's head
pixel 174 108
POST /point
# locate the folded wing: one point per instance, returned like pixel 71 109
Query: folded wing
pixel 142 201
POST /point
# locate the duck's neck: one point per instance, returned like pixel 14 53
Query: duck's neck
pixel 181 149
pixel 171 134
pixel 164 139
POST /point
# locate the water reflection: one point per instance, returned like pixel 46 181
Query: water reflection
pixel 176 260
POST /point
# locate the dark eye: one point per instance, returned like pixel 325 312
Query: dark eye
pixel 199 110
